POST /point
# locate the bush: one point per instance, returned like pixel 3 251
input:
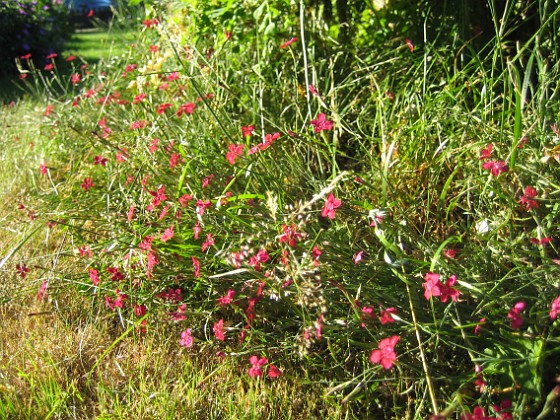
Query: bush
pixel 32 29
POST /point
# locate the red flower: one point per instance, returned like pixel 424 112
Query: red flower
pixel 330 205
pixel 432 286
pixel 94 276
pixel 207 243
pixel 100 160
pixel 555 308
pixel 196 267
pixel 255 370
pixel 167 234
pixel 450 253
pixel 447 290
pixel 76 78
pixel 227 298
pixel 148 23
pixel 22 270
pixel 515 315
pixel 315 254
pixel 274 372
pixel 385 355
pixel 321 123
pixel 486 153
pixel 496 167
pixel 409 44
pixel 386 317
pixel 248 130
pixel 526 200
pixel 87 184
pixel 186 109
pixel 162 108
pixel 186 338
pixel 290 235
pixel 288 43
pixel 235 151
pixel 219 330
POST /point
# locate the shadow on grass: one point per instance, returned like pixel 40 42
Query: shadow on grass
pixel 90 45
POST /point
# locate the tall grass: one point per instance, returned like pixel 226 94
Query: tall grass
pixel 377 251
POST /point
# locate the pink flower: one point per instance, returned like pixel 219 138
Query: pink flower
pixel 386 317
pixel 48 110
pixel 202 205
pixel 541 242
pixel 486 153
pixel 313 89
pixel 219 330
pixel 321 123
pixel 255 370
pixel 409 44
pixel 87 184
pixel 447 290
pixel 330 205
pixel 274 372
pixel 186 109
pixel 196 267
pixel 385 355
pixel 432 286
pixel 207 243
pixel 248 130
pixel 43 169
pixel 94 276
pixel 138 98
pixel 450 253
pixel 478 327
pixel 290 235
pixel 358 256
pixel 227 298
pixel 184 200
pixel 206 181
pixel 288 43
pixel 140 310
pixel 42 292
pixel 167 234
pixel 75 78
pixel 180 314
pixel 555 308
pixel 515 315
pixel 196 230
pixel 526 200
pixel 496 167
pixel 187 338
pixel 235 151
pixel 315 254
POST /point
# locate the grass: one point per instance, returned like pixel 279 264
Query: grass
pixel 159 214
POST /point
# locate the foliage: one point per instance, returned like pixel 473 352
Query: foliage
pixel 32 28
pixel 381 222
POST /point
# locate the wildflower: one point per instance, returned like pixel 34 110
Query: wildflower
pixel 48 110
pixel 319 326
pixel 288 43
pixel 447 290
pixel 313 89
pixel 357 257
pixel 186 109
pixel 100 160
pixel 149 23
pixel 432 286
pixel 274 372
pixel 76 78
pixel 152 261
pixel 140 310
pixel 450 253
pixel 180 314
pixel 526 200
pixel 477 414
pixel 409 44
pixel 136 125
pixel 315 254
pixel 376 216
pixel 174 160
pixel 138 98
pixel 255 370
pixel 248 130
pixel 85 251
pixel 207 243
pixel 167 234
pixel 201 206
pixel 515 315
pixel 196 230
pixel 496 167
pixel 478 327
pixel 119 300
pixel 49 67
pixel 386 316
pixel 367 312
pixel 555 308
pixel 42 292
pixel 541 242
pixel 196 267
pixel 219 330
pixel 206 181
pixel 146 244
pixel 87 184
pixel 385 354
pixel 330 205
pixel 234 152
pixel 184 200
pixel 187 338
pixel 290 235
pixel 321 123
pixel 162 108
pixel 22 270
pixel 171 295
pixel 486 152
pixel 227 298
pixel 116 275
pixel 94 276
pixel 43 168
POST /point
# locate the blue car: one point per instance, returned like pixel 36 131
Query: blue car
pixel 83 7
